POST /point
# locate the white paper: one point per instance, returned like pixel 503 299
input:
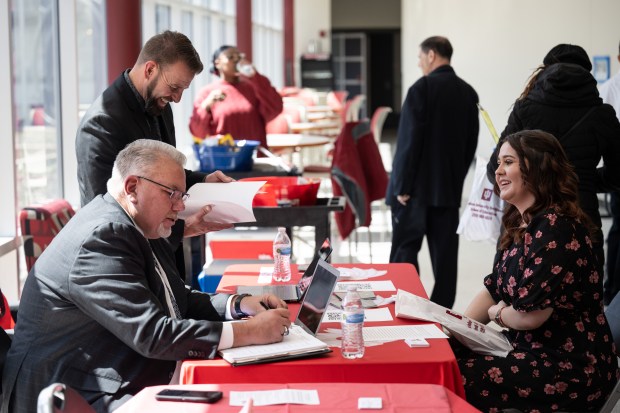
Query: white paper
pixel 386 285
pixel 370 403
pixel 359 273
pixel 393 333
pixel 232 201
pixel 379 301
pixel 377 314
pixel 272 397
pixel 370 315
pixel 417 342
pixel 265 275
pixel 296 342
pixel 332 337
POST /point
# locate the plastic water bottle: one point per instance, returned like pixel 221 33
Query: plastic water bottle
pixel 352 324
pixel 282 256
pixel 245 68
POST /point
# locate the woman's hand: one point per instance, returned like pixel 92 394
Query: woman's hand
pixel 216 95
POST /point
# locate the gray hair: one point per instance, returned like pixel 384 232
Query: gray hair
pixel 140 158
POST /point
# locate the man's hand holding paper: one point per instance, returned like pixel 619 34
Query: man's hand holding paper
pixel 229 203
pixel 199 223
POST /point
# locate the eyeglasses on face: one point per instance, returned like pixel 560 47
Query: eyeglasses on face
pixel 175 194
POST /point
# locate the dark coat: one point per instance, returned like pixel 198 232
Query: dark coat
pixel 561 96
pixel 437 139
pixel 93 315
pixel 112 122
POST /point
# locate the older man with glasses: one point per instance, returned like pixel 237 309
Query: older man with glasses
pixel 101 311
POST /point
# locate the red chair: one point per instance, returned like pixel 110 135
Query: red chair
pixel 377 121
pixel 336 99
pixel 40 224
pixel 279 124
pixel 6 319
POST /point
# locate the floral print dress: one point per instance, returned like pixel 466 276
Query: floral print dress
pixel 566 364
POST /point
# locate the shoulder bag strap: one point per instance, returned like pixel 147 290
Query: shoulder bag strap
pixel 579 121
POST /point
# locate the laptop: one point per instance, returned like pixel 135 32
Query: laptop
pixel 291 292
pixel 316 298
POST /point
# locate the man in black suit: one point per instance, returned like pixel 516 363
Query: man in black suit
pixel 137 106
pixel 437 139
pixel 103 313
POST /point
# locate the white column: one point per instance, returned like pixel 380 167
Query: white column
pixel 69 108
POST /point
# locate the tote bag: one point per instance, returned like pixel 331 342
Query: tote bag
pixel 482 218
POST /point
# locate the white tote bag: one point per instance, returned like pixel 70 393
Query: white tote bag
pixel 482 217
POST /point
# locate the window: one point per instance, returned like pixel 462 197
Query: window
pixel 35 40
pixel 162 18
pixel 91 44
pixel 349 54
pixel 208 24
pixel 268 39
pixel 36 99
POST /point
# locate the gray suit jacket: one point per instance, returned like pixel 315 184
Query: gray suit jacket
pixel 93 315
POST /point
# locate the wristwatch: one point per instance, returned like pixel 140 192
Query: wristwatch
pixel 237 306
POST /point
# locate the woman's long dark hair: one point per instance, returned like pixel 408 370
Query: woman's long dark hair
pixel 548 175
pixel 532 81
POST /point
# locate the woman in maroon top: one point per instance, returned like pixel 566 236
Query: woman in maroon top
pixel 544 290
pixel 236 103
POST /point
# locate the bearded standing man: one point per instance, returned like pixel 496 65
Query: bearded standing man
pixel 137 106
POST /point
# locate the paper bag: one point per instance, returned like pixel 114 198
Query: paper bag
pixel 482 217
pixel 472 334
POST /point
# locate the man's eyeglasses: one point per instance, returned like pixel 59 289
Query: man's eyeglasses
pixel 175 194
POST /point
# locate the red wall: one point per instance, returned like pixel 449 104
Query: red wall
pixel 124 35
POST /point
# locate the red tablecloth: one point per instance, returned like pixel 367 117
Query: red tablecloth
pixel 341 397
pixel 391 362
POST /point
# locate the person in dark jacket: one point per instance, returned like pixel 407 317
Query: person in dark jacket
pixel 561 98
pixel 437 139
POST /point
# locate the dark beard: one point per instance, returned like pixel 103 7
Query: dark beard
pixel 150 105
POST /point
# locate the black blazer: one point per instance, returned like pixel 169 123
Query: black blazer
pixel 437 139
pixel 112 122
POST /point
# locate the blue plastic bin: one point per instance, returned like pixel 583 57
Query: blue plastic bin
pixel 208 283
pixel 226 158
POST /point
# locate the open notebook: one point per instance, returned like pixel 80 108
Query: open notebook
pixel 301 340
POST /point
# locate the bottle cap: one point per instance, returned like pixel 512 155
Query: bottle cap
pixel 281 229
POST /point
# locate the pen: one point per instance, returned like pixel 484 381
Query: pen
pixel 265 306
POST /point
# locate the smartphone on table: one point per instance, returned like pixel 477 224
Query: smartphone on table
pixel 196 396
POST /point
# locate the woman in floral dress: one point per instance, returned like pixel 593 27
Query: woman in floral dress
pixel 544 290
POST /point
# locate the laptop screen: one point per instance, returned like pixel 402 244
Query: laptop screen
pixel 317 297
pixel 322 254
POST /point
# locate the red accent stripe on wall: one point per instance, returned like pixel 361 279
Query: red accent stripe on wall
pixel 124 35
pixel 289 43
pixel 244 27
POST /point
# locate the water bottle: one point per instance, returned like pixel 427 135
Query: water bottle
pixel 282 256
pixel 245 68
pixel 352 324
